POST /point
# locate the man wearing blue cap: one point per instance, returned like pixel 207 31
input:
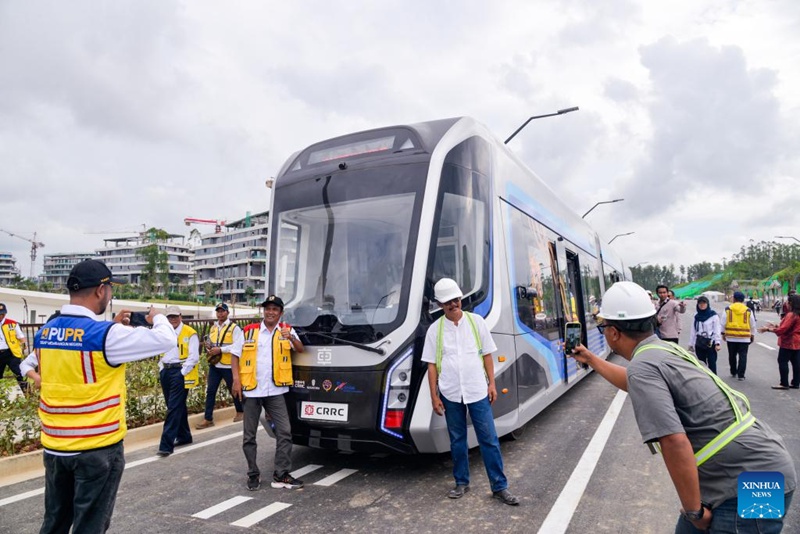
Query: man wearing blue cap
pixel 738 329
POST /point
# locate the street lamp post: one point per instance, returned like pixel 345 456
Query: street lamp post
pixel 603 202
pixel 620 235
pixel 787 237
pixel 524 124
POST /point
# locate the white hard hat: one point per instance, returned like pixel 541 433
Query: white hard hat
pixel 626 301
pixel 446 290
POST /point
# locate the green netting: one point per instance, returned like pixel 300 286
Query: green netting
pixel 693 289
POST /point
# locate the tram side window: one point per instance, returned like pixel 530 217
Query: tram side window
pixel 532 274
pixel 461 245
pixel 591 287
pixel 287 260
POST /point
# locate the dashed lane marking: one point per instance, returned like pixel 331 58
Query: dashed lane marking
pixel 336 477
pixel 765 346
pixel 21 496
pixel 310 468
pixel 260 515
pixel 221 507
pixel 34 493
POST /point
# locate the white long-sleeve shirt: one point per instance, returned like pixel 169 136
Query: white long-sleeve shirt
pixel 235 348
pixel 17 331
pixel 711 327
pixel 123 343
pixel 174 355
pixel 265 386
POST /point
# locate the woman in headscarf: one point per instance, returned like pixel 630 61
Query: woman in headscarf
pixel 706 334
pixel 788 333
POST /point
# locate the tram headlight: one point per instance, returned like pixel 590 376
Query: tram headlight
pixel 395 396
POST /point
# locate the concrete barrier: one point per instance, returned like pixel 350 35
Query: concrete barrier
pixel 21 467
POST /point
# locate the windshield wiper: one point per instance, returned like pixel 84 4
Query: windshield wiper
pixel 376 350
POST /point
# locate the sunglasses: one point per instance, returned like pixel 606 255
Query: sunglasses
pixel 452 301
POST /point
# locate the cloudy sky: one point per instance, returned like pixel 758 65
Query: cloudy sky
pixel 124 113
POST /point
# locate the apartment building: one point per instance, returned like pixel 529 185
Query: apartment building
pixel 234 259
pixel 8 268
pixel 57 267
pixel 123 255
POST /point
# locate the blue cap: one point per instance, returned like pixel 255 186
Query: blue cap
pixel 3 309
pixel 221 306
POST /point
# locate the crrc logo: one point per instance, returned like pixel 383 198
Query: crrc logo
pixel 309 409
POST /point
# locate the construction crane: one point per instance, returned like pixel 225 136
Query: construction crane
pixel 218 224
pixel 35 245
pixel 106 232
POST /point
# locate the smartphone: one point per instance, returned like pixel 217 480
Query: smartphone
pixel 139 319
pixel 572 336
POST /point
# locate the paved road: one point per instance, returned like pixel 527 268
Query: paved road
pixel 202 488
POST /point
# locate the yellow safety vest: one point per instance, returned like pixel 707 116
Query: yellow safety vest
pixel 281 358
pixel 744 420
pixel 737 322
pixel 82 400
pixel 9 329
pixel 226 336
pixel 190 379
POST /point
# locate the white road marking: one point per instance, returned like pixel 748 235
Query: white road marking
pixel 221 507
pixel 336 477
pixel 141 462
pixel 260 515
pixel 21 496
pixel 557 521
pixel 310 468
pixel 765 346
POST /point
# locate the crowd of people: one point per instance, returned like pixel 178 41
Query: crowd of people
pixel 704 429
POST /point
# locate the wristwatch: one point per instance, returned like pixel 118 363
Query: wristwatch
pixel 696 515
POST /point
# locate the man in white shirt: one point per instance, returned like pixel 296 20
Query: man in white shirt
pixel 458 348
pixel 85 367
pixel 12 347
pixel 178 374
pixel 264 373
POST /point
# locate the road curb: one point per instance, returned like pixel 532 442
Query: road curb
pixel 29 465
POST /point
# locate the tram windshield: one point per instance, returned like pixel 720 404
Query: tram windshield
pixel 342 263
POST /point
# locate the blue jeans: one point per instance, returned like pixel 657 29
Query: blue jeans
pixel 176 424
pixel 215 376
pixel 726 520
pixel 455 413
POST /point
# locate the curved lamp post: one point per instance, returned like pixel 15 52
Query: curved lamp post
pixel 603 202
pixel 787 237
pixel 620 235
pixel 524 124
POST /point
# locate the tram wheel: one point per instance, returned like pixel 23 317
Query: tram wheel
pixel 518 433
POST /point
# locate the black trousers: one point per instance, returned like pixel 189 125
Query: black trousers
pixel 738 349
pixel 176 424
pixel 80 491
pixel 785 357
pixel 7 358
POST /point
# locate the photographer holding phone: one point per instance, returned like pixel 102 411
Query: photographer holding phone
pixel 704 429
pixel 82 399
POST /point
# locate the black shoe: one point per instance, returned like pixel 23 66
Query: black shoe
pixel 794 387
pixel 458 491
pixel 163 454
pixel 779 386
pixel 740 379
pixel 253 482
pixel 179 443
pixel 506 497
pixel 285 481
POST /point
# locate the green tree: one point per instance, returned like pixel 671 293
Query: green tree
pixel 155 273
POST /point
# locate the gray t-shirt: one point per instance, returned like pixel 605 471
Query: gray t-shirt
pixel 671 395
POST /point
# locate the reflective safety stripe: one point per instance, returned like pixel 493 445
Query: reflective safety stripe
pixel 744 420
pixel 725 437
pixel 440 342
pixel 89 376
pixel 98 406
pixel 80 431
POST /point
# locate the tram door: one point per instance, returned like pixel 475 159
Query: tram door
pixel 571 294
